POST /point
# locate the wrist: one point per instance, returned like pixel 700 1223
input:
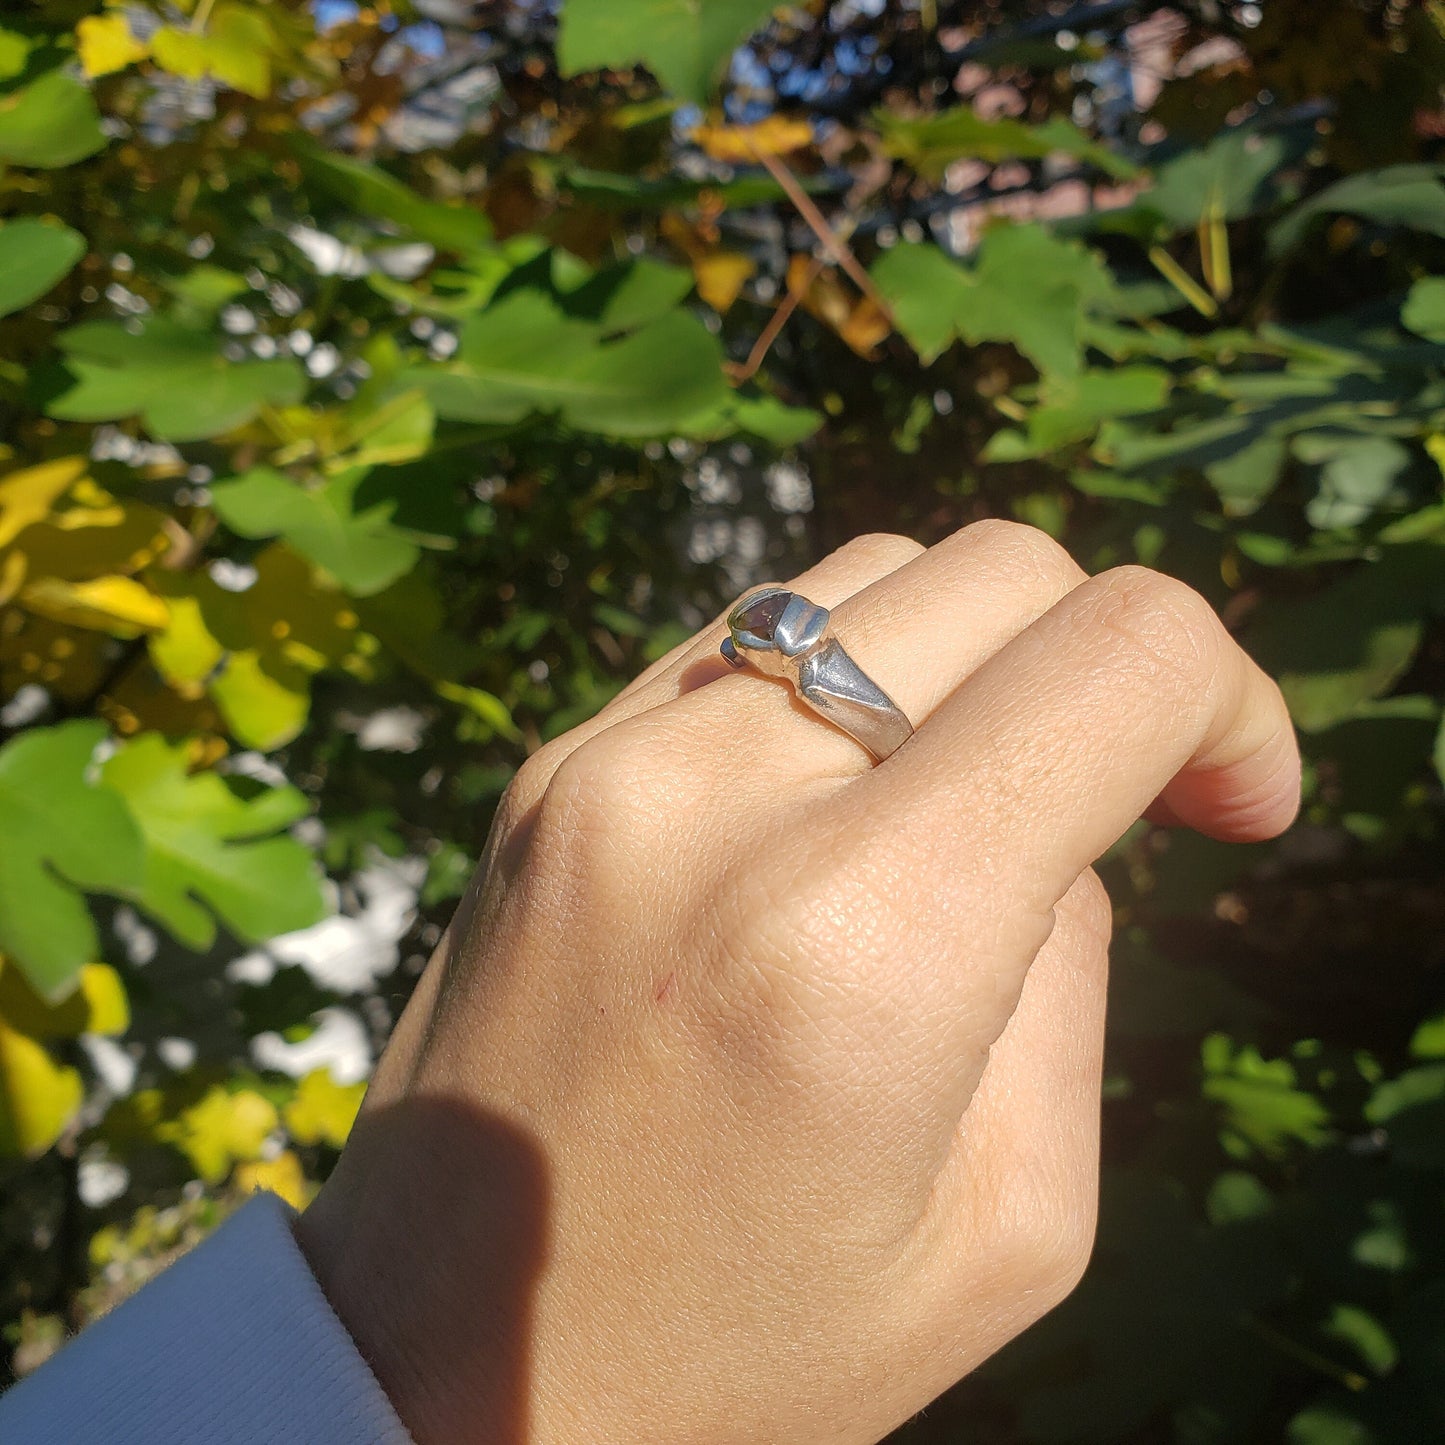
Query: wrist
pixel 427 1244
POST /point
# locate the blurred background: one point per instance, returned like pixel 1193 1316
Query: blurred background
pixel 381 386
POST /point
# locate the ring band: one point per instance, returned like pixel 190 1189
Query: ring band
pixel 782 634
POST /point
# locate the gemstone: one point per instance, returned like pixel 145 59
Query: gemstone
pixel 761 617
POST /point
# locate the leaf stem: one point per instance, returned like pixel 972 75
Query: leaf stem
pixel 1350 1379
pixel 831 241
pixel 779 319
pixel 1183 282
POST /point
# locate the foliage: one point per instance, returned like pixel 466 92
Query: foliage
pixel 379 393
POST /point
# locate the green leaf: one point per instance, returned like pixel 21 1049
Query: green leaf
pixel 1028 288
pixel 1070 408
pixel 358 546
pixel 931 143
pixel 202 291
pixel 622 298
pixel 1360 475
pixel 62 837
pixel 33 257
pixel 1386 1243
pixel 1246 477
pixel 1370 1340
pixel 1428 1041
pixel 372 193
pixel 618 191
pixel 764 417
pixel 398 432
pixel 524 355
pixel 486 707
pixel 1352 641
pixel 1237 1195
pixel 1263 1110
pixel 174 378
pixel 1424 308
pixel 1411 1110
pixel 14 53
pixel 924 287
pixel 683 42
pixel 1228 177
pixel 208 851
pixel 774 421
pixel 1326 1425
pixel 1415 1087
pixel 1409 195
pixel 49 123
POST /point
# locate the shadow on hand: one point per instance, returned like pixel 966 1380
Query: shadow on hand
pixel 429 1241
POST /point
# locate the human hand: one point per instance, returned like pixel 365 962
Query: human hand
pixel 753 1094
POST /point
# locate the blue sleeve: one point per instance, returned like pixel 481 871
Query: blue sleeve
pixel 234 1344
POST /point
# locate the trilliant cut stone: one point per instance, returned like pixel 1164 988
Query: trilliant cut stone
pixel 761 617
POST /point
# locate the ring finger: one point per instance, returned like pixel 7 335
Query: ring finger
pixel 918 632
pixel 863 561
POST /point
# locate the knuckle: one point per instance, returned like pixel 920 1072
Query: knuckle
pixel 1048 1246
pixel 1089 909
pixel 531 779
pixel 1166 626
pixel 1024 552
pixel 880 552
pixel 591 791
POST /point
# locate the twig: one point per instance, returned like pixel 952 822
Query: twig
pixel 832 243
pixel 779 319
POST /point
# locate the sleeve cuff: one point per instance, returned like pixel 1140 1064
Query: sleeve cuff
pixel 234 1344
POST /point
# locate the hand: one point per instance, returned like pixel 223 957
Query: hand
pixel 753 1094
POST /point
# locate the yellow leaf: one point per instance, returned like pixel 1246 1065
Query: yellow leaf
pixel 255 651
pixel 180 52
pixel 185 651
pixel 738 144
pixel 720 276
pixel 98 1005
pixel 27 496
pixel 120 606
pixel 38 1097
pixel 866 327
pixel 1435 445
pixel 282 1176
pixel 95 537
pixel 235 48
pixel 12 575
pixel 857 319
pixel 292 624
pixel 322 1111
pixel 220 1130
pixel 106 44
pixel 264 706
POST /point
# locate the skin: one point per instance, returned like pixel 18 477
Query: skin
pixel 753 1094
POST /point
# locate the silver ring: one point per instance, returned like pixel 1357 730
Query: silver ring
pixel 782 634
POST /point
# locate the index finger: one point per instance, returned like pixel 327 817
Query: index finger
pixel 1127 689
